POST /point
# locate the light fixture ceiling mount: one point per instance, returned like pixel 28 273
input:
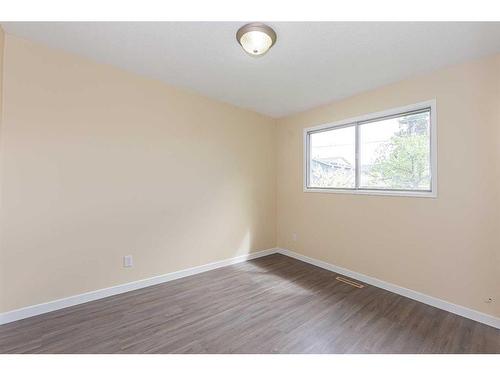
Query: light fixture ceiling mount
pixel 256 38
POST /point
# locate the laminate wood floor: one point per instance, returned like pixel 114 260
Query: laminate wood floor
pixel 273 304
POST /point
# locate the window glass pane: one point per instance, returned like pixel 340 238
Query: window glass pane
pixel 332 158
pixel 395 153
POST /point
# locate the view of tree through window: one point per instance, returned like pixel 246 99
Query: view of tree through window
pixel 393 154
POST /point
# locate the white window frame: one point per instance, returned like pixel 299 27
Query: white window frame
pixel 432 193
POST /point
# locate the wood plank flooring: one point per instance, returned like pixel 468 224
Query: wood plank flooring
pixel 273 304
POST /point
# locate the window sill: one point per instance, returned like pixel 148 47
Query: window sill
pixel 395 193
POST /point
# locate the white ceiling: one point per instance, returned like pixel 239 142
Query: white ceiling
pixel 311 63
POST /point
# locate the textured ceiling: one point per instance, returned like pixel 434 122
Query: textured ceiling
pixel 311 63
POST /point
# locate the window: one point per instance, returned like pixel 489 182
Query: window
pixel 388 153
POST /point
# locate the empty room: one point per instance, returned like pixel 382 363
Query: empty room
pixel 250 187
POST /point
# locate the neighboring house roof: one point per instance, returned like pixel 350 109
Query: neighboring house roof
pixel 336 162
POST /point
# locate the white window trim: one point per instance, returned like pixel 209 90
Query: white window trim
pixel 391 112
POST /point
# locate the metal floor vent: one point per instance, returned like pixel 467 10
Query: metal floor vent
pixel 350 282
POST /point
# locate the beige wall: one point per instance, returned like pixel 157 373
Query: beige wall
pixel 2 36
pixel 447 247
pixel 98 163
pixel 2 278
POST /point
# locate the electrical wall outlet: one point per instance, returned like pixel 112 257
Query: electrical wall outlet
pixel 128 261
pixel 294 236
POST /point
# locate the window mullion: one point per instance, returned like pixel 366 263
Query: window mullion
pixel 356 161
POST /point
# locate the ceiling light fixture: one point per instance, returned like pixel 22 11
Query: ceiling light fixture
pixel 256 38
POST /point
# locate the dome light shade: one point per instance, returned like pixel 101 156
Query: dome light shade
pixel 256 38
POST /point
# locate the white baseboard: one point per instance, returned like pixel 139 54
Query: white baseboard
pixel 29 311
pixel 43 308
pixel 432 301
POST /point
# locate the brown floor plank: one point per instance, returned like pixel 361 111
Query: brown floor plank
pixel 273 304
